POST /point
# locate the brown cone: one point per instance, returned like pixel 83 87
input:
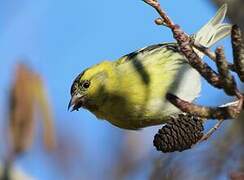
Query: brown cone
pixel 179 133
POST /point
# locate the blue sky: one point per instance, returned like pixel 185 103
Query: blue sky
pixel 59 39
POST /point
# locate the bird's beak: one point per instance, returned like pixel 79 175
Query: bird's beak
pixel 70 104
pixel 76 102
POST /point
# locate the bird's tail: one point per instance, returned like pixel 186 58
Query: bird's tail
pixel 214 30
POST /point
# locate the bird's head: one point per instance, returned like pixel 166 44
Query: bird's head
pixel 88 87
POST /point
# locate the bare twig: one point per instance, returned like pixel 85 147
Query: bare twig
pixel 238 51
pixel 211 131
pixel 160 21
pixel 207 51
pixel 226 112
pixel 228 81
pixel 156 5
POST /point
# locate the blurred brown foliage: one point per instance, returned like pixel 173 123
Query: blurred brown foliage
pixel 28 95
pixel 237 176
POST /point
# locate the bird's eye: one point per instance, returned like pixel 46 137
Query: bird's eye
pixel 86 84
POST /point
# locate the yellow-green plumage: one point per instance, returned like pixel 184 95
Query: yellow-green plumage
pixel 133 88
pixel 130 92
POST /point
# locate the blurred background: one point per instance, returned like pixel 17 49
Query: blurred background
pixel 45 44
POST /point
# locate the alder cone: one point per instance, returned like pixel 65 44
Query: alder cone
pixel 179 133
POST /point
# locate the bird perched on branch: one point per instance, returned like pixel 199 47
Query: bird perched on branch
pixel 131 92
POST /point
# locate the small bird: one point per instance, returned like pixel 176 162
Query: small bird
pixel 131 92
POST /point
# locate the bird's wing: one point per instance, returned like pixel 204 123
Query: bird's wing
pixel 161 69
pixel 147 51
